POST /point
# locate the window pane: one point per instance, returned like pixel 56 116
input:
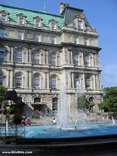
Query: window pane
pixel 53 25
pixel 75 40
pixel 53 40
pixel 36 58
pixel 18 56
pixel 18 80
pixel 54 104
pixel 1 56
pixel 37 38
pixel 53 59
pixel 87 82
pixel 20 35
pixel 36 80
pixel 4 17
pixel 37 100
pixel 79 24
pixel 86 60
pixel 75 59
pixel 2 33
pixel 38 23
pixel 85 41
pixel 1 79
pixel 53 81
pixel 76 79
pixel 21 20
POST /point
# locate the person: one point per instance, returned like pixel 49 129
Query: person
pixel 26 121
pixel 54 121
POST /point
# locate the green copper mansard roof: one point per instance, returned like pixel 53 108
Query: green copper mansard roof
pixel 31 14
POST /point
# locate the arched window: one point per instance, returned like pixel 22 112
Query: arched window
pixel 36 81
pixel 1 79
pixel 53 59
pixel 18 56
pixel 53 81
pixel 91 99
pixel 37 99
pixel 36 58
pixel 54 104
pixel 18 80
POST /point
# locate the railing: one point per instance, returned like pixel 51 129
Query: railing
pixel 11 130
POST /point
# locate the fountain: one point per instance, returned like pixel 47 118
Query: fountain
pixel 68 135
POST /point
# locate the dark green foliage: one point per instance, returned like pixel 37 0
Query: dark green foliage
pixel 83 102
pixel 2 93
pixel 109 103
pixel 11 110
pixel 17 119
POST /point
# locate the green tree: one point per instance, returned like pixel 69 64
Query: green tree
pixel 2 93
pixel 109 103
pixel 82 102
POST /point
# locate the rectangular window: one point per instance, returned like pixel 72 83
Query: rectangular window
pixel 36 57
pixel 53 60
pixel 21 20
pixel 18 56
pixel 37 38
pixel 20 35
pixel 1 56
pixel 53 25
pixel 75 40
pixel 2 33
pixel 85 41
pixel 37 23
pixel 4 17
pixel 86 60
pixel 79 24
pixel 76 81
pixel 75 59
pixel 53 40
pixel 87 82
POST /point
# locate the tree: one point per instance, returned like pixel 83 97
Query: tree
pixel 82 102
pixel 2 93
pixel 109 103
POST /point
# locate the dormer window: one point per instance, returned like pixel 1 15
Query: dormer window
pixel 37 21
pixel 4 18
pixel 21 20
pixel 79 24
pixel 53 24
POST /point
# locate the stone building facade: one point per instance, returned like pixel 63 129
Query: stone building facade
pixel 37 49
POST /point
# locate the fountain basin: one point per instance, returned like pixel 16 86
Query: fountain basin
pixel 51 131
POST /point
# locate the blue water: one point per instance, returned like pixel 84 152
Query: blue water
pixel 52 131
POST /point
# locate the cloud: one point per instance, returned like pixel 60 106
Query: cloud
pixel 109 75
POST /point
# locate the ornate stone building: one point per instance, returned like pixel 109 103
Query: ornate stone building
pixel 37 49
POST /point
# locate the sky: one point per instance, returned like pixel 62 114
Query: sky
pixel 100 13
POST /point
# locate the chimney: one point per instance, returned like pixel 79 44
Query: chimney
pixel 62 7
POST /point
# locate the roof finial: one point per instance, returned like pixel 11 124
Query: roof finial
pixel 45 10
